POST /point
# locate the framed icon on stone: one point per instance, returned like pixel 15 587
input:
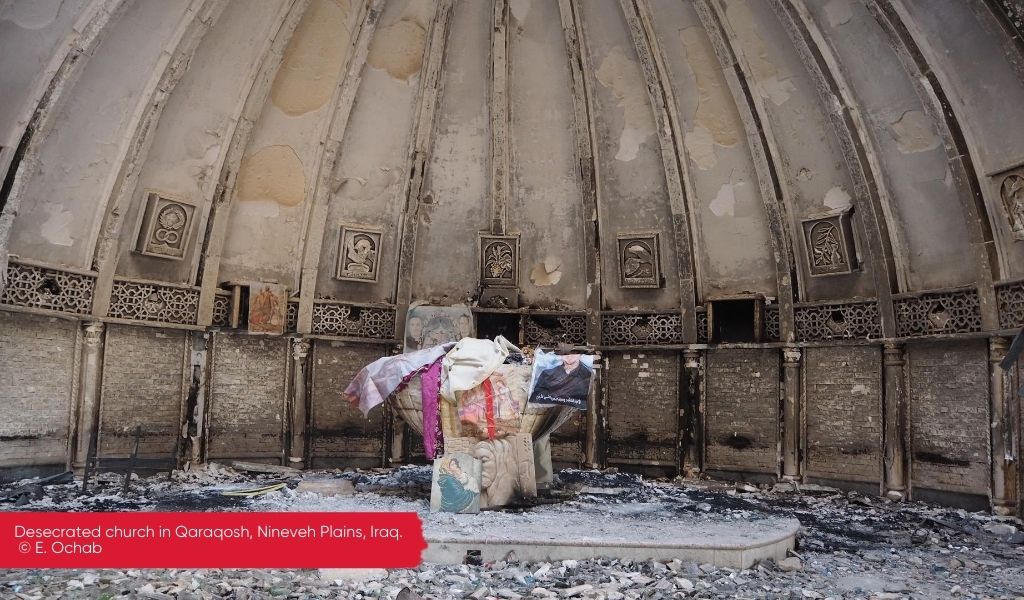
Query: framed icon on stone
pixel 829 244
pixel 165 226
pixel 359 253
pixel 639 259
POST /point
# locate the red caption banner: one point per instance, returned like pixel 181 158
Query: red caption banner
pixel 210 540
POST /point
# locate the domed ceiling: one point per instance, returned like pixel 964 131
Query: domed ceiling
pixel 649 154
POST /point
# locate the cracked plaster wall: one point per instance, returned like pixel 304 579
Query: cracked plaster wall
pixel 367 182
pixel 632 193
pixel 458 203
pixel 194 131
pixel 727 197
pixel 988 93
pixel 278 171
pixel 911 150
pixel 78 159
pixel 813 166
pixel 545 203
pixel 30 33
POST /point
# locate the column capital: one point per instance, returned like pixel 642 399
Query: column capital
pixel 997 347
pixel 691 358
pixel 300 348
pixel 791 355
pixel 93 332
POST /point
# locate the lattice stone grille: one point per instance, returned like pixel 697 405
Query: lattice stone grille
pixel 292 321
pixel 944 312
pixel 152 302
pixel 1010 297
pixel 771 323
pixel 641 328
pixel 571 329
pixel 353 321
pixel 838 321
pixel 702 326
pixel 221 310
pixel 50 289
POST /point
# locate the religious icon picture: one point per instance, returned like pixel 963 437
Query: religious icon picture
pixel 639 264
pixel 455 486
pixel 427 326
pixel 268 308
pixel 561 379
pixel 359 253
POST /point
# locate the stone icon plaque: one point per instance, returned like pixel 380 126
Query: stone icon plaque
pixel 639 260
pixel 829 242
pixel 1011 192
pixel 359 253
pixel 499 260
pixel 164 230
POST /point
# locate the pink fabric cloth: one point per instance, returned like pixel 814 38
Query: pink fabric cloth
pixel 379 379
pixel 430 387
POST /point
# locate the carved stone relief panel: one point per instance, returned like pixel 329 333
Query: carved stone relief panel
pixel 499 260
pixel 359 253
pixel 1011 192
pixel 830 246
pixel 165 228
pixel 639 260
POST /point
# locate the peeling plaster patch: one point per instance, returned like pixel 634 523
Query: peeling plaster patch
pixel 398 49
pixel 777 89
pixel 546 272
pixel 520 9
pixel 623 77
pixel 56 229
pixel 724 204
pixel 32 15
pixel 913 132
pixel 838 12
pixel 313 59
pixel 272 174
pixel 859 388
pixel 837 198
pixel 717 119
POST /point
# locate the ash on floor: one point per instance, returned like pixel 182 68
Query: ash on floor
pixel 851 546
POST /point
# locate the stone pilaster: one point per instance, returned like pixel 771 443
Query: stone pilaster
pixel 297 445
pixel 791 414
pixel 894 415
pixel 1004 460
pixel 693 428
pixel 90 378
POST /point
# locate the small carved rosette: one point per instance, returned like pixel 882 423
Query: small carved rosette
pixel 829 243
pixel 359 253
pixel 165 227
pixel 639 260
pixel 499 260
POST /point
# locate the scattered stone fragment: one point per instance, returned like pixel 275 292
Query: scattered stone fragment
pixel 326 487
pixel 790 564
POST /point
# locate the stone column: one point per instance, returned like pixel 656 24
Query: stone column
pixel 791 414
pixel 895 451
pixel 90 378
pixel 300 349
pixel 1001 391
pixel 693 428
pixel 592 422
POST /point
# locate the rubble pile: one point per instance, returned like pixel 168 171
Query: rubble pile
pixel 851 545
